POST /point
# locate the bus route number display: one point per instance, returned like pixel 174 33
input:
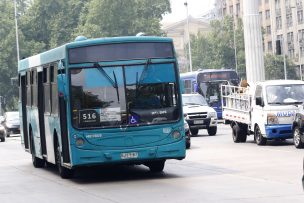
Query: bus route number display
pixel 89 117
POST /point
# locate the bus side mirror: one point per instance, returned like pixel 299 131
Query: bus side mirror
pixel 61 85
pixel 259 101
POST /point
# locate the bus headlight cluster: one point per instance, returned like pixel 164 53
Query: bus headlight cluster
pixel 272 119
pixel 79 141
pixel 176 134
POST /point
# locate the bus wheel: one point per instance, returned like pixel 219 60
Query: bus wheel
pixel 259 139
pixel 212 131
pixel 297 138
pixel 37 162
pixel 156 166
pixel 194 131
pixel 63 172
pixel 2 139
pixel 238 135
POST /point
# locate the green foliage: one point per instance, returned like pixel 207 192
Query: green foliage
pixel 274 68
pixel 45 24
pixel 216 50
pixel 107 18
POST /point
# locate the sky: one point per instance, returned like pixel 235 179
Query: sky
pixel 195 8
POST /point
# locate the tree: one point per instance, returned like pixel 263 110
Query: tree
pixel 107 18
pixel 52 23
pixel 216 49
pixel 274 68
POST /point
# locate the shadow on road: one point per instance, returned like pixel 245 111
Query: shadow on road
pixel 113 173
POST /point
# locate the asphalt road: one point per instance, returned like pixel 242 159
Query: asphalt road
pixel 215 170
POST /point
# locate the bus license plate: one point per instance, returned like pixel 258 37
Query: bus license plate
pixel 199 122
pixel 129 155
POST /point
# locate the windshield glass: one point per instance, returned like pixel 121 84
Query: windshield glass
pixel 194 100
pixel 124 95
pixel 285 94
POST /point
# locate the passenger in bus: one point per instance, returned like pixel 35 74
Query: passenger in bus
pixel 146 99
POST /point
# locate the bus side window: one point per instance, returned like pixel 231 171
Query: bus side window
pixel 188 86
pixel 46 89
pixel 28 88
pixel 34 88
pixel 54 89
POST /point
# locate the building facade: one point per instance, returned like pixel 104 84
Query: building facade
pixel 281 20
pixel 178 31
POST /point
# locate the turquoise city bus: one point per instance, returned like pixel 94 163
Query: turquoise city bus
pixel 102 101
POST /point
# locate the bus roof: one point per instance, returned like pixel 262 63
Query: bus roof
pixel 59 53
pixel 194 74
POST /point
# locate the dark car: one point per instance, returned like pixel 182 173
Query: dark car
pixel 188 135
pixel 11 123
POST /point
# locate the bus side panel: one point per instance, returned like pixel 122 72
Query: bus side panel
pixel 49 138
pixel 33 118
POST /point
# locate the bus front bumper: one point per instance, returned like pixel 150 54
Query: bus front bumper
pixel 83 157
pixel 278 131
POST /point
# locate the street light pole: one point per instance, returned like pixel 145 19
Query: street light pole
pixel 16 25
pixel 234 43
pixel 189 46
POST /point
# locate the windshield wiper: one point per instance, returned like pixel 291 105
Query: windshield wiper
pixel 144 71
pixel 113 83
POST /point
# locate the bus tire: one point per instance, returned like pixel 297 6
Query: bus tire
pixel 212 131
pixel 297 138
pixel 194 131
pixel 37 162
pixel 2 139
pixel 238 134
pixel 65 173
pixel 156 166
pixel 258 137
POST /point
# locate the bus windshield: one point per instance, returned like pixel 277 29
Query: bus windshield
pixel 124 95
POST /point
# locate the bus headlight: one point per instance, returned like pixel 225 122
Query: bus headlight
pixel 176 134
pixel 272 119
pixel 79 141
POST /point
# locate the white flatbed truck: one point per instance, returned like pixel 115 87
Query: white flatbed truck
pixel 264 109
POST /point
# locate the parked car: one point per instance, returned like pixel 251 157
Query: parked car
pixel 198 114
pixel 2 135
pixel 11 123
pixel 188 136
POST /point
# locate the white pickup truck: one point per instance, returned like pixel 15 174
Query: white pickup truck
pixel 265 109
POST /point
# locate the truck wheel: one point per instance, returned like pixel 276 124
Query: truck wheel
pixel 212 131
pixel 65 173
pixel 194 131
pixel 156 166
pixel 259 139
pixel 238 134
pixel 297 138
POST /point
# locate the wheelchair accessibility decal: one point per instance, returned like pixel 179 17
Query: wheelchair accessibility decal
pixel 133 119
